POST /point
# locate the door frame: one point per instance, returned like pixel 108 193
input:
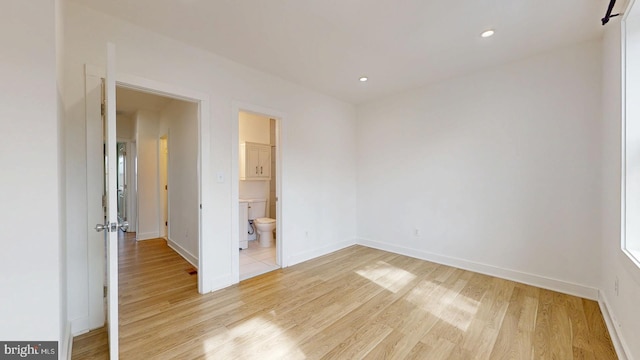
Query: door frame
pixel 96 254
pixel 282 257
pixel 164 211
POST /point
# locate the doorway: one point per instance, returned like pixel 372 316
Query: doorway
pixel 167 181
pixel 259 238
pixel 95 188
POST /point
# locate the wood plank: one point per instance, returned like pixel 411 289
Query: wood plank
pixel 355 303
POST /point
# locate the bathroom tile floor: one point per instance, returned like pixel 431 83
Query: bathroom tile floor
pixel 256 260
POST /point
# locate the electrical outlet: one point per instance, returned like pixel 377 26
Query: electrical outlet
pixel 616 287
pixel 416 232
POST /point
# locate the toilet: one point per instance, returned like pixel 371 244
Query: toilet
pixel 264 225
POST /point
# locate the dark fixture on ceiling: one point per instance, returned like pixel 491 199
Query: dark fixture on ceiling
pixel 608 15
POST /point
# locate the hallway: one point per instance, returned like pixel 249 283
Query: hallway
pixel 152 279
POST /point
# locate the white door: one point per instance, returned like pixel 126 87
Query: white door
pixel 111 225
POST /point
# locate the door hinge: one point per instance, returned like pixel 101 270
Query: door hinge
pixel 104 200
pixel 104 291
pixel 103 97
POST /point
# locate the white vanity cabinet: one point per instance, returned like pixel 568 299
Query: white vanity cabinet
pixel 243 220
pixel 255 161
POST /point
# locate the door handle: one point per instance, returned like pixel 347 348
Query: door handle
pixel 112 227
pixel 102 227
pixel 256 170
pixel 260 170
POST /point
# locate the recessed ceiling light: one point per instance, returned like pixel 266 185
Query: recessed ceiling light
pixel 363 78
pixel 488 33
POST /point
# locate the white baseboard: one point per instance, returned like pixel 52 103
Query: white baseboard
pixel 183 252
pixel 618 341
pixel 80 326
pixel 525 278
pixel 67 350
pixel 222 282
pixel 314 253
pixel 147 236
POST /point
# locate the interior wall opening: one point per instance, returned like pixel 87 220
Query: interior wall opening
pixel 257 192
pixel 165 196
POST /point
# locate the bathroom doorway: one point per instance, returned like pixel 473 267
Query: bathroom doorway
pixel 259 239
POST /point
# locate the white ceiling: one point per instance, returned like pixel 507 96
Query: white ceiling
pixel 129 101
pixel 327 45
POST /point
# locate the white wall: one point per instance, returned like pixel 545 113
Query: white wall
pixel 147 127
pixel 132 184
pixel 253 189
pixel 254 128
pixel 497 170
pixel 65 325
pixel 125 127
pixel 31 216
pixel 623 307
pixel 318 161
pixel 181 119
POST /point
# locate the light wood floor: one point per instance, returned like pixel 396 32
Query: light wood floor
pixel 355 303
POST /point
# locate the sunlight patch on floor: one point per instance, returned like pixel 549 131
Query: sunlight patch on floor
pixel 461 314
pixel 446 304
pixel 252 339
pixel 387 276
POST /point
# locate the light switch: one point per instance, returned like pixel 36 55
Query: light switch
pixel 220 177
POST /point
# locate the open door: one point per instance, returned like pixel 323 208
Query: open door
pixel 111 225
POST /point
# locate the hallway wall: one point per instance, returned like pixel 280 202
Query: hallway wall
pixel 147 127
pixel 179 119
